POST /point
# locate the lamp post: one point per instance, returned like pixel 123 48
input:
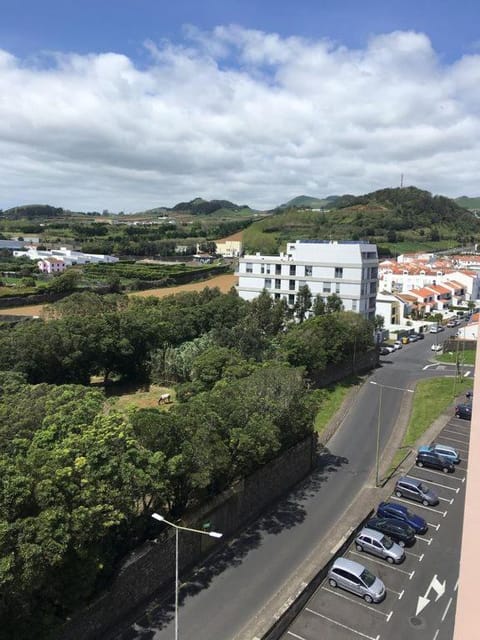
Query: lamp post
pixel 377 454
pixel 212 534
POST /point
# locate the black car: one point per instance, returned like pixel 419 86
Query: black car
pixel 398 531
pixel 419 336
pixel 434 461
pixel 463 411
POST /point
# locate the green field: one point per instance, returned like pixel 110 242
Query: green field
pixel 431 399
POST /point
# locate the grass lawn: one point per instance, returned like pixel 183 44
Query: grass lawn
pixel 330 400
pixel 430 400
pixel 464 357
pixel 139 398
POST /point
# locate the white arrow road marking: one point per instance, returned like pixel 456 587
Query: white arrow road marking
pixel 428 366
pixel 438 587
pixel 466 374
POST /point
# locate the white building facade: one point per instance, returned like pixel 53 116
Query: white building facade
pixel 68 256
pixel 346 268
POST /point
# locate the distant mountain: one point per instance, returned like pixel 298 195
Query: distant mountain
pixel 309 203
pixel 468 203
pixel 199 206
pixel 33 211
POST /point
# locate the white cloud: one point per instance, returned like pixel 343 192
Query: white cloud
pixel 237 114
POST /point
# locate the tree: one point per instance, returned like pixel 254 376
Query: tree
pixel 65 282
pixel 334 303
pixel 319 306
pixel 303 302
pixel 379 322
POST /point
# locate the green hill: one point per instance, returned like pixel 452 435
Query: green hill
pixel 309 202
pixel 200 207
pixel 396 219
pixel 468 203
pixel 33 212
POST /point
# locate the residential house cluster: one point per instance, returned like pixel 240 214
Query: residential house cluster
pixel 57 260
pixel 417 285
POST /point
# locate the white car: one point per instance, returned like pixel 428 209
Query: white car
pixel 397 344
pixel 436 347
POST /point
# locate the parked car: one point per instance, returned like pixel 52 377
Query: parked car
pixel 378 544
pixel 464 411
pixel 434 461
pixel 452 323
pixel 436 347
pixel 383 351
pixel 400 532
pixel 402 514
pixel 419 336
pixel 397 344
pixel 413 337
pixel 389 347
pixel 442 449
pixel 415 490
pixel 436 328
pixel 354 577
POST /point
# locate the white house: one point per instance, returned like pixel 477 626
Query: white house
pixel 347 268
pixel 470 331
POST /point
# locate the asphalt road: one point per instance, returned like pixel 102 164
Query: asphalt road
pixel 429 571
pixel 225 594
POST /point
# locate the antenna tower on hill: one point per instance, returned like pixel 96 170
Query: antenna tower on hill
pixel 401 181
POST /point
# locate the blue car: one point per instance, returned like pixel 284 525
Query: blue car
pixel 443 450
pixel 397 511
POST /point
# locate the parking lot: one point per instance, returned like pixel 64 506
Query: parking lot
pixel 421 591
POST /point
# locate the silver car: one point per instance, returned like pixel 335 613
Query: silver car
pixel 355 578
pixel 378 544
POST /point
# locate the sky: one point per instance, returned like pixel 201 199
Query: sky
pixel 127 105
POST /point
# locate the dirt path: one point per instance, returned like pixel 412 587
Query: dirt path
pixel 224 282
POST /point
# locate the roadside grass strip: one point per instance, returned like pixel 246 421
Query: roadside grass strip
pixel 420 506
pixel 358 602
pixel 339 624
pixel 385 564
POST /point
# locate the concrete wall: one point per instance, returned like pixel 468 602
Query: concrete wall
pixel 152 566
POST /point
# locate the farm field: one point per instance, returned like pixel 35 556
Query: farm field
pixel 224 282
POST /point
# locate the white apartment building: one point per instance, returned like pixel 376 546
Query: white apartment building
pixel 347 268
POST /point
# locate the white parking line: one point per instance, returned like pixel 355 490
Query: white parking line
pixel 436 634
pixel 294 635
pixel 443 475
pixel 457 433
pixel 437 484
pixel 453 440
pixel 398 593
pixel 435 526
pixel 456 585
pixel 421 506
pixel 383 564
pixel 359 602
pixel 426 540
pixel 344 626
pixel 447 500
pixel 446 609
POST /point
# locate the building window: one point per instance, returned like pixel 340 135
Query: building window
pixel 338 272
pixel 327 287
pixel 278 283
pixel 291 298
pixel 337 287
pixel 371 302
pixel 267 268
pixel 354 305
pixel 268 283
pixel 373 287
pixel 249 267
pixel 277 296
pixel 278 269
pixel 293 270
pixel 291 285
pixel 262 268
pixel 308 269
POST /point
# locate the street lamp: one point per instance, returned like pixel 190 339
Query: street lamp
pixel 377 455
pixel 212 534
